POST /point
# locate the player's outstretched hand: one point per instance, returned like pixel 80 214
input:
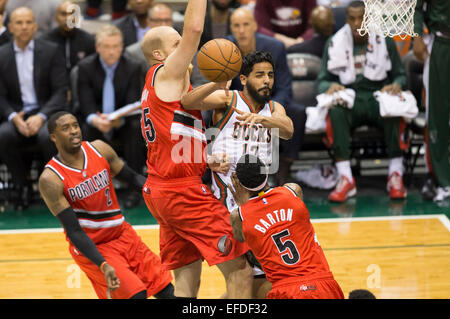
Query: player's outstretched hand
pixel 111 277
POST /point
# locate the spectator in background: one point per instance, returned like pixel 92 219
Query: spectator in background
pixel 135 24
pixel 118 9
pixel 217 20
pixel 74 43
pixel 245 36
pixel 159 14
pixel 285 20
pixel 43 10
pixel 5 35
pixel 386 73
pixel 322 21
pixel 107 81
pixel 33 86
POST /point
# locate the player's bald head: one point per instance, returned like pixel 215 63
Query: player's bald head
pixel 157 39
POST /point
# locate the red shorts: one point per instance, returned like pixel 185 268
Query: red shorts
pixel 312 288
pixel 193 223
pixel 136 266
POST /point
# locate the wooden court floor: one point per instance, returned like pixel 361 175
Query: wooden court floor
pixel 394 257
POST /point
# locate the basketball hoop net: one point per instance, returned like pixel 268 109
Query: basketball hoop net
pixel 389 18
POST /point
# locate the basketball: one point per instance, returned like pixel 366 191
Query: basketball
pixel 219 60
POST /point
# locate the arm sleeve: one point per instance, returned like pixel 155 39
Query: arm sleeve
pixel 78 237
pixel 133 179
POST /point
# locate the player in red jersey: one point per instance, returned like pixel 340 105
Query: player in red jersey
pixel 194 225
pixel 275 224
pixel 77 187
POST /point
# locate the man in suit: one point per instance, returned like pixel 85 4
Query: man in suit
pixel 107 81
pixel 135 24
pixel 33 86
pixel 5 35
pixel 74 43
pixel 244 35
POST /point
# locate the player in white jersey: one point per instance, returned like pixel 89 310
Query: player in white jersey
pixel 246 122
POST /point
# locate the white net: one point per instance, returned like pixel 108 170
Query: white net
pixel 389 18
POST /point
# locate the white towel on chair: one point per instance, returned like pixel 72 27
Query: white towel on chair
pixel 404 105
pixel 341 62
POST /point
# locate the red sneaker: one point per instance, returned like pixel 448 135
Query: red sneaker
pixel 344 189
pixel 395 186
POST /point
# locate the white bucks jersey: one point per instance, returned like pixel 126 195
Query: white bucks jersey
pixel 235 140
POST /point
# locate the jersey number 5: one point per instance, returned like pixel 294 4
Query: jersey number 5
pixel 287 248
pixel 147 128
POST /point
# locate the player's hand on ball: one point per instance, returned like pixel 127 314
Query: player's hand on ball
pixel 111 277
pixel 219 163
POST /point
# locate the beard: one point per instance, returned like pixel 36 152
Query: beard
pixel 257 94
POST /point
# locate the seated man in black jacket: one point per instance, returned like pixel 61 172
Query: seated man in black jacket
pixel 107 81
pixel 33 86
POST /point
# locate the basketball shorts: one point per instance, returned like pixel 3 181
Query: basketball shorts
pixel 136 266
pixel 312 288
pixel 193 223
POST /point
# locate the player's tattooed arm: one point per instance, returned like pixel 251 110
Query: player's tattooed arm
pixel 236 224
pixel 52 191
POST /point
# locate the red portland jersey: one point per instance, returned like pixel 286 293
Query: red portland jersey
pixel 91 194
pixel 277 229
pixel 175 137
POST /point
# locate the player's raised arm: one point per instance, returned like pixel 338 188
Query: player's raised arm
pixel 177 63
pixel 207 97
pixel 119 169
pixel 52 191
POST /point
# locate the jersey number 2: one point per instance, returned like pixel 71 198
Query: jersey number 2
pixel 287 248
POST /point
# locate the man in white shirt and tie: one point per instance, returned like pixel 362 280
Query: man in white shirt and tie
pixel 109 80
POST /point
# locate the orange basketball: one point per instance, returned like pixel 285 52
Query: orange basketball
pixel 219 60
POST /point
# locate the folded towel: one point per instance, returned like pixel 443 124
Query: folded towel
pixel 341 62
pixel 404 105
